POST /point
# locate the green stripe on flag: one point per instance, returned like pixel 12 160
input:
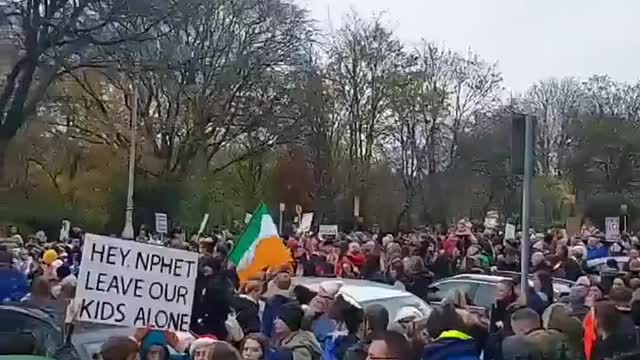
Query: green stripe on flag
pixel 249 234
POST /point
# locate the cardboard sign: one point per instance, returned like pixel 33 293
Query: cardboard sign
pixel 328 230
pixel 509 232
pixel 162 223
pixel 305 223
pixel 612 228
pixel 133 284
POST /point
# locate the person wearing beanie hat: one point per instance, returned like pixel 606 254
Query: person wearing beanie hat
pixel 198 348
pixel 301 343
pixel 49 257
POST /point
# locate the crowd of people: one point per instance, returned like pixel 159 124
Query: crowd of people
pixel 271 316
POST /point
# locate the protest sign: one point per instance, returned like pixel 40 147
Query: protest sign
pixel 491 220
pixel 509 232
pixel 305 222
pixel 612 228
pixel 162 224
pixel 328 230
pixel 134 284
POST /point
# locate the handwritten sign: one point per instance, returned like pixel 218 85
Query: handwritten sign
pixel 137 285
pixel 305 223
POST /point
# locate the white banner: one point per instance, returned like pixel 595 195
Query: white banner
pixel 328 230
pixel 136 285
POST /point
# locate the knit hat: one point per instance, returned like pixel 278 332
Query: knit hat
pixel 291 314
pixel 49 257
pixel 202 341
pixel 118 347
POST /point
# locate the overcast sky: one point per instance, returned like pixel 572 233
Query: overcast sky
pixel 530 39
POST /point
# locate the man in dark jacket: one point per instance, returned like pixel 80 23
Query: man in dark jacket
pixel 377 320
pixel 247 306
pixel 213 299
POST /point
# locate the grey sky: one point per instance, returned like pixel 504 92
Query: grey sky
pixel 530 39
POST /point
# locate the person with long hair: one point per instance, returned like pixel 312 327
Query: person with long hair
pixel 543 285
pixel 255 346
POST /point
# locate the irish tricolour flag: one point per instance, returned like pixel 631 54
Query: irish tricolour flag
pixel 259 246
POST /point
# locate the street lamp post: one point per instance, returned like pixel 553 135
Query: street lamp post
pixel 128 232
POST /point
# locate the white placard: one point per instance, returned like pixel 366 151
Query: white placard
pixel 133 284
pixel 328 230
pixel 282 207
pixel 247 217
pixel 509 232
pixel 612 228
pixel 305 223
pixel 162 223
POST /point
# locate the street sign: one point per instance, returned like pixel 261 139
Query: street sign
pixel 612 228
pixel 162 223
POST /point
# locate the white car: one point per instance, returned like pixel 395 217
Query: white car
pixel 362 293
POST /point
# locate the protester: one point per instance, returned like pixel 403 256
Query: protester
pixel 338 344
pixel 255 347
pixel 302 344
pixel 248 304
pixel 614 337
pixel 199 348
pixel 389 345
pixel 377 322
pixel 543 286
pixel 221 350
pixel 449 336
pixel 278 293
pixel 119 348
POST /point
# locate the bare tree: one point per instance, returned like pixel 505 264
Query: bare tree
pixel 55 33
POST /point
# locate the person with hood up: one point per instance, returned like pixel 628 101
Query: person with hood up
pixel 154 346
pixel 278 293
pixel 13 283
pixel 302 344
pixel 318 310
pixel 450 340
pixel 375 325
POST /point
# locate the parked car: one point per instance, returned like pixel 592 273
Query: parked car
pixel 362 293
pixel 481 289
pixel 30 333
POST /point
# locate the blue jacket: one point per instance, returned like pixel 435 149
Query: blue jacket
pixel 13 285
pixel 535 302
pixel 452 345
pixel 335 348
pixel 270 313
pixel 597 252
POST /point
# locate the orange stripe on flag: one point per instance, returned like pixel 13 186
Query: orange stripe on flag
pixel 270 253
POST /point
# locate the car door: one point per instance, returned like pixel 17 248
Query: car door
pixel 445 287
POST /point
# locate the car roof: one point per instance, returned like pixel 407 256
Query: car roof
pixel 358 290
